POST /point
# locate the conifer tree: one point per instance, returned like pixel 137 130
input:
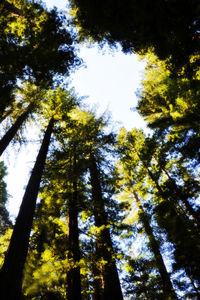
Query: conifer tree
pixel 34 45
pixel 12 270
pixel 169 213
pixel 104 250
pixel 5 222
pixel 166 27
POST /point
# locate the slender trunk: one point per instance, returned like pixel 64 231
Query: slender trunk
pixel 12 271
pixel 73 291
pixel 183 198
pixel 7 138
pixel 178 192
pixel 188 232
pixel 167 285
pixel 162 193
pixel 97 295
pixel 111 284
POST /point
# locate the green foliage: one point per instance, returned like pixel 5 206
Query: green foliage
pixel 143 281
pixel 156 178
pixel 5 223
pixel 171 105
pixel 170 28
pixel 34 45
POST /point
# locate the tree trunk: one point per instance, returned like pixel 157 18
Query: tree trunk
pixel 166 282
pixel 12 271
pixel 111 284
pixel 97 283
pixel 73 291
pixel 7 138
pixel 184 199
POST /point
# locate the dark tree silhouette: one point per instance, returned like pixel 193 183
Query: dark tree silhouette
pixel 11 273
pixel 111 288
pixel 73 290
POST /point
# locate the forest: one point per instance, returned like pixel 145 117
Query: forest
pixel 106 214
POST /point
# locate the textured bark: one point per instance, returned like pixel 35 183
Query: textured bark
pixel 111 288
pixel 7 138
pixel 12 271
pixel 166 282
pixel 73 291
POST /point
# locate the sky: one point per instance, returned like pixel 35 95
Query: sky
pixel 110 80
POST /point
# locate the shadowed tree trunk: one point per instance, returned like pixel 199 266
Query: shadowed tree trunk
pixel 7 138
pixel 73 291
pixel 97 283
pixel 110 285
pixel 166 282
pixel 12 271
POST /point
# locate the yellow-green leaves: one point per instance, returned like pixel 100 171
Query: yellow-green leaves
pixel 4 242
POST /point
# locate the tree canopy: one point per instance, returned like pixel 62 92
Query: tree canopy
pixel 170 28
pixel 106 214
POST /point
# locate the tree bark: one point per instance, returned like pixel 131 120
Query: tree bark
pixel 7 138
pixel 166 282
pixel 12 271
pixel 110 285
pixel 73 291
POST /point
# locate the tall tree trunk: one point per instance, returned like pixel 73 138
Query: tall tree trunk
pixel 166 282
pixel 104 250
pixel 12 271
pixel 7 138
pixel 73 291
pixel 98 291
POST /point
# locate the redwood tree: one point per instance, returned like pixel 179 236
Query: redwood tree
pixel 12 271
pixel 111 288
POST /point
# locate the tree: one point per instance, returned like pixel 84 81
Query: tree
pixel 104 250
pixel 56 229
pixel 171 107
pixel 170 28
pixel 73 275
pixel 34 45
pixel 5 222
pixel 12 270
pixel 7 138
pixel 127 185
pixel 146 173
pixel 167 286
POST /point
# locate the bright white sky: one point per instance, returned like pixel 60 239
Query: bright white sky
pixel 110 81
